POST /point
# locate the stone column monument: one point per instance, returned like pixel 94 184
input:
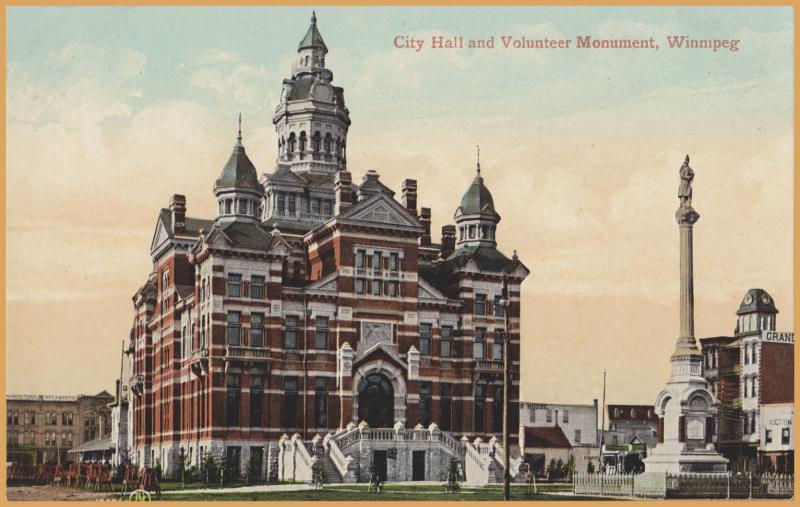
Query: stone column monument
pixel 685 407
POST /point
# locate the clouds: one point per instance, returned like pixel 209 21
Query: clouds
pixel 78 85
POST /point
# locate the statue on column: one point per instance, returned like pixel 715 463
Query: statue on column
pixel 685 190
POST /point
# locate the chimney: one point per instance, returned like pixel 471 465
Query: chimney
pixel 343 189
pixel 177 205
pixel 410 197
pixel 425 222
pixel 448 240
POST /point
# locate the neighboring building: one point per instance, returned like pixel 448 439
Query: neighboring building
pixel 632 430
pixel 41 428
pixel 577 422
pixel 311 303
pixel 752 375
pixel 540 445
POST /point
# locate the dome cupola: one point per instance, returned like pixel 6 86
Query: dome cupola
pixel 237 189
pixel 757 312
pixel 476 218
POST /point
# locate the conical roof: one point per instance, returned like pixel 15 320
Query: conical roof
pixel 477 198
pixel 239 172
pixel 313 38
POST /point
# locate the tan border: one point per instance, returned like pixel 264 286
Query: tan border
pixel 461 3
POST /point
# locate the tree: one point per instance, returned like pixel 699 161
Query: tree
pixel 590 467
pixel 570 467
pixel 180 470
pixel 318 474
pixel 452 485
pixel 208 469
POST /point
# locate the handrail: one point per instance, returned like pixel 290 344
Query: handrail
pixel 338 458
pixel 476 456
pixel 346 438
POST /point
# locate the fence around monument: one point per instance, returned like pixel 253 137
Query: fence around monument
pixel 685 485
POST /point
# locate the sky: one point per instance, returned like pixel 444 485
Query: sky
pixel 110 111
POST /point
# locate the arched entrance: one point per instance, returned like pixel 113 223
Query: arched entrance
pixel 376 400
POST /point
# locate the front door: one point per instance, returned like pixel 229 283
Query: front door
pixel 376 401
pixel 418 466
pixel 379 460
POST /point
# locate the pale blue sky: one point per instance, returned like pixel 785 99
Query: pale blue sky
pixel 112 110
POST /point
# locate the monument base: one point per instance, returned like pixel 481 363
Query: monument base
pixel 680 460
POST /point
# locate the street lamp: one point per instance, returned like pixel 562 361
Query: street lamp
pixel 505 304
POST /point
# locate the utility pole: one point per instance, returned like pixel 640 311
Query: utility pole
pixel 506 304
pixel 602 424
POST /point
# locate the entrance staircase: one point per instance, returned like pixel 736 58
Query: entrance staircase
pixel 347 454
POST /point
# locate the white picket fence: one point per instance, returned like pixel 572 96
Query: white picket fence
pixel 685 485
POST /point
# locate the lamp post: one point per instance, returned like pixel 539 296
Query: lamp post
pixel 506 304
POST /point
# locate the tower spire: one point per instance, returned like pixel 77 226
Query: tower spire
pixel 313 17
pixel 479 159
pixel 239 136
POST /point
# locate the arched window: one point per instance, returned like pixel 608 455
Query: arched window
pixel 327 143
pixel 315 142
pixel 303 141
pixel 292 143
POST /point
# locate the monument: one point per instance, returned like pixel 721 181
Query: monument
pixel 685 407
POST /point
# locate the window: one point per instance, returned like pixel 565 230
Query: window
pixel 66 419
pixel 478 348
pixel 256 400
pixel 234 285
pixel 497 410
pixel 755 357
pixel 290 332
pixel 753 387
pixel 361 258
pixel 290 388
pixel 376 260
pixel 480 304
pixel 281 204
pixel 359 286
pixel 164 286
pixel 33 418
pixel 447 341
pixel 446 407
pixel 256 330
pixel 577 437
pixel 549 416
pixel 533 415
pixel 479 412
pixel 320 402
pixel 566 416
pixel 497 351
pixel 257 287
pixel 499 308
pixel 233 399
pixel 746 387
pixel 746 354
pixel 768 437
pixel 322 333
pixel 785 436
pixel 391 289
pixel 234 326
pixel 394 262
pixel 425 403
pixel 425 339
pixel 376 287
pixel 292 204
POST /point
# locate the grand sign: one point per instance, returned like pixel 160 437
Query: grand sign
pixel 777 337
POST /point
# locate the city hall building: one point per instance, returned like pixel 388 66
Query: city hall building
pixel 315 319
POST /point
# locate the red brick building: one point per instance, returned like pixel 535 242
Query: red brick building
pixel 311 302
pixel 752 375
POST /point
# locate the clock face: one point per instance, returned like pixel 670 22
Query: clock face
pixel 749 299
pixel 765 299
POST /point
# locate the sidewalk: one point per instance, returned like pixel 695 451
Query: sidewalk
pixel 264 488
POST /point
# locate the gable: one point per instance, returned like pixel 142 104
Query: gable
pixel 427 291
pixel 160 235
pixel 380 209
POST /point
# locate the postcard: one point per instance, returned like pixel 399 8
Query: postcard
pixel 399 253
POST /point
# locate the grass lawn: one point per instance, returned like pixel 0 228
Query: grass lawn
pixel 358 492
